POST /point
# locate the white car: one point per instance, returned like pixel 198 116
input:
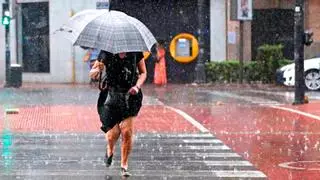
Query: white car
pixel 286 74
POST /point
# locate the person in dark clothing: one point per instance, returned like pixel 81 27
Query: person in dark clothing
pixel 120 100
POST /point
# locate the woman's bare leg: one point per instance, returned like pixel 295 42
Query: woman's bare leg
pixel 112 136
pixel 126 128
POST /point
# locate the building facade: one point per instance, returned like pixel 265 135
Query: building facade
pixel 273 23
pixel 48 57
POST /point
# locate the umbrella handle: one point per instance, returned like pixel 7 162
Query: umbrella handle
pixel 100 78
pixel 100 82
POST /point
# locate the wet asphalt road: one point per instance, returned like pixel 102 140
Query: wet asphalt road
pixel 155 156
pixel 56 156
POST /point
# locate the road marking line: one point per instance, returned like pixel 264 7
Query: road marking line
pixel 297 111
pixel 222 147
pixel 190 119
pixel 138 173
pixel 187 135
pixel 228 163
pixel 244 174
pixel 288 165
pixel 200 141
pixel 207 155
pixel 239 174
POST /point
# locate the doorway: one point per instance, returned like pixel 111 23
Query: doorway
pixel 34 37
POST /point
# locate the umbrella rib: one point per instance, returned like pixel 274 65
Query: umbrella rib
pixel 138 26
pixel 91 21
pixel 111 34
pixel 99 27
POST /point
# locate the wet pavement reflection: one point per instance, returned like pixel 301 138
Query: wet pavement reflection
pixel 241 135
pixel 79 156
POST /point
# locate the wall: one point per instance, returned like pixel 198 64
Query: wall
pixel 63 56
pixel 268 4
pixel 233 39
pixel 312 22
pixel 218 30
pixel 166 19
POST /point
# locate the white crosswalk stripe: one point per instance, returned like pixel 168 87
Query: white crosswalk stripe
pixel 216 145
pixel 192 156
pixel 239 174
pixel 196 141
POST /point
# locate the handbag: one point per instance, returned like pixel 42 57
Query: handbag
pixel 118 99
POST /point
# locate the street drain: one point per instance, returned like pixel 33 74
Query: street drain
pixel 12 111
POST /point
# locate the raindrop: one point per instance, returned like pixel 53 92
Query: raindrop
pixel 160 149
pixel 246 154
pixel 316 145
pixel 258 138
pixel 301 151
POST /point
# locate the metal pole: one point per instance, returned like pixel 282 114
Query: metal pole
pixel 200 66
pixel 299 52
pixel 7 58
pixel 5 7
pixel 241 47
pixel 73 62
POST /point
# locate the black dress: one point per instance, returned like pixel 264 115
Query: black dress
pixel 114 103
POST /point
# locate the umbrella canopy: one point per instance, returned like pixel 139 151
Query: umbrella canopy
pixel 112 31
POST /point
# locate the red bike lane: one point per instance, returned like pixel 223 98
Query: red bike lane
pixel 84 119
pixel 281 143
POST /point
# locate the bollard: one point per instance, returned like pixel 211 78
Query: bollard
pixel 15 76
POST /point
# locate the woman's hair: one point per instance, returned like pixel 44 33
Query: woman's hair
pixel 160 43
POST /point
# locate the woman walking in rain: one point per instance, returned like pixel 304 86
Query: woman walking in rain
pixel 160 72
pixel 120 101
